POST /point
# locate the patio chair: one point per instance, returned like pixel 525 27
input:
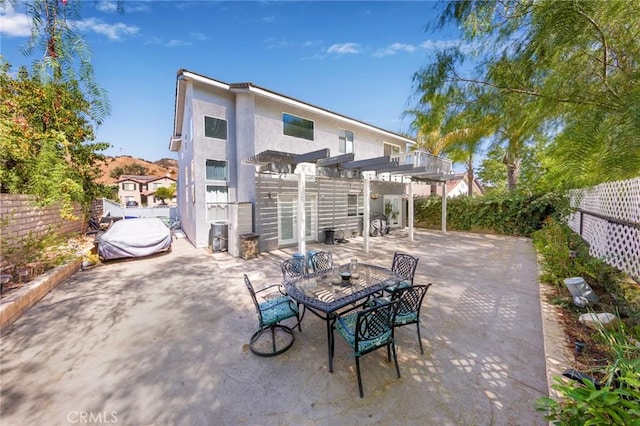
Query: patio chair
pixel 270 313
pixel 404 265
pixel 368 330
pixel 410 301
pixel 293 268
pixel 321 261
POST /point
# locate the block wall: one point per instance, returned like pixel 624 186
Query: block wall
pixel 19 216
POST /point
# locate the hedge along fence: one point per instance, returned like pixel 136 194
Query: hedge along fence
pixel 21 218
pixel 509 214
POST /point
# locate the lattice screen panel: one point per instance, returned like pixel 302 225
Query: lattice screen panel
pixel 615 243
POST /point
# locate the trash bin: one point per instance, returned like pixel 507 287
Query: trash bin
pixel 579 288
pixel 329 234
pixel 249 245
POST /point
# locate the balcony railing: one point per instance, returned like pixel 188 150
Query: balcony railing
pixel 431 163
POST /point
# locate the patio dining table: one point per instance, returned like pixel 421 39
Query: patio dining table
pixel 326 294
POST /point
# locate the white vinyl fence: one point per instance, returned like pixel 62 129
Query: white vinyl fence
pixel 608 218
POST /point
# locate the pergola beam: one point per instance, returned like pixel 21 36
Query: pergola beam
pixel 311 157
pixel 332 161
pixel 366 165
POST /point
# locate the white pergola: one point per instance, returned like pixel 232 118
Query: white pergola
pixel 404 168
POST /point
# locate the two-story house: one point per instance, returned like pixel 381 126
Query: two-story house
pixel 142 189
pixel 240 145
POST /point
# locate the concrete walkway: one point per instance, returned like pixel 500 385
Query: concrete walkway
pixel 163 340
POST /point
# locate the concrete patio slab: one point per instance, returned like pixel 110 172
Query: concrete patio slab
pixel 163 340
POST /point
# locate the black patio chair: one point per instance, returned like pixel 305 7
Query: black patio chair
pixel 270 313
pixel 367 330
pixel 404 265
pixel 410 302
pixel 293 268
pixel 321 261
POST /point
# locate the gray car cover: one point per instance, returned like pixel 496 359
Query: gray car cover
pixel 134 238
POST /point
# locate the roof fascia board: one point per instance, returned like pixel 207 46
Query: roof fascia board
pixel 308 107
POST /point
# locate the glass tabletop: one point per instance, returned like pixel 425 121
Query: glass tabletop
pixel 328 291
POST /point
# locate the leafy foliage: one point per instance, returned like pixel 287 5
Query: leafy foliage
pixel 564 72
pixel 44 149
pixel 511 213
pixel 65 54
pixel 165 193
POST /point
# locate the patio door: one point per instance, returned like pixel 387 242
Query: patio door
pixel 288 221
pixel 392 209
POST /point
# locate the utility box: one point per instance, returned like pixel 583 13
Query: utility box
pixel 218 237
pixel 249 245
pixel 240 222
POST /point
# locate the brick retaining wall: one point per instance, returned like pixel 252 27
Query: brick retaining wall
pixel 19 216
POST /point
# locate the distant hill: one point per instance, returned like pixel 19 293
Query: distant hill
pixel 162 167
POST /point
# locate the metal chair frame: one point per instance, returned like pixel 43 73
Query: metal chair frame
pixel 409 304
pixel 321 261
pixel 270 314
pixel 368 330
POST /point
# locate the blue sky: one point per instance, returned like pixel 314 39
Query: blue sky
pixel 355 58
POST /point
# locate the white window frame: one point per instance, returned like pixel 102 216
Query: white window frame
pixel 125 186
pixel 349 145
pixel 204 127
pixel 218 210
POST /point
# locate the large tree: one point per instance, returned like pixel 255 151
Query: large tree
pixel 572 68
pixel 46 147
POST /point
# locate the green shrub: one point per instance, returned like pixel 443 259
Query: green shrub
pixel 510 214
pixel 617 402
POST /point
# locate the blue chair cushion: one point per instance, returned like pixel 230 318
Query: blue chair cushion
pixel 277 309
pixel 409 318
pixel 401 284
pixel 346 327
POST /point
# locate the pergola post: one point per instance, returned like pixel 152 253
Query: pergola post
pixel 300 229
pixel 367 214
pixel 444 207
pixel 410 212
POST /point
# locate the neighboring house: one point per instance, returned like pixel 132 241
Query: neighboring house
pixel 459 185
pixel 142 189
pixel 242 148
pixel 456 186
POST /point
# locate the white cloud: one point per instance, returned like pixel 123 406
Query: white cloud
pixel 111 31
pixel 268 19
pixel 274 43
pixel 439 44
pixel 394 48
pixel 14 24
pixel 198 36
pixel 107 6
pixel 177 43
pixel 344 48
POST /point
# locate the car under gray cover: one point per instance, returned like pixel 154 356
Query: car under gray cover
pixel 134 238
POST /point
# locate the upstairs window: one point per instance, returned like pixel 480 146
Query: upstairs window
pixel 216 170
pixel 297 127
pixel 390 149
pixel 215 128
pixel 128 186
pixel 346 141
